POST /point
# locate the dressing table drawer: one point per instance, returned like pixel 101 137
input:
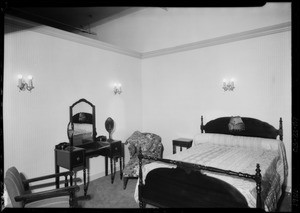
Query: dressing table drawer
pixel 70 159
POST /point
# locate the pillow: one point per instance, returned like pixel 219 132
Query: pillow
pixel 236 124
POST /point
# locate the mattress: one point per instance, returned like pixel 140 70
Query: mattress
pixel 238 154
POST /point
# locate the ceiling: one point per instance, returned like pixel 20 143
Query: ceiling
pixel 148 29
pixel 72 18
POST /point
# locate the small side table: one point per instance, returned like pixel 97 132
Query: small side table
pixel 182 142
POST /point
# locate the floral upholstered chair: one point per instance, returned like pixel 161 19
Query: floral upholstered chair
pixel 150 145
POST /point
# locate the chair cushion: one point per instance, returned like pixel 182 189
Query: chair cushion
pixel 139 139
pixel 151 146
pixel 132 167
pixel 59 202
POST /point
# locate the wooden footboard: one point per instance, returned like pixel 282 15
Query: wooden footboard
pixel 208 191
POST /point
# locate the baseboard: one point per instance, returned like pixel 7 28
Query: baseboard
pixel 99 175
pixel 96 176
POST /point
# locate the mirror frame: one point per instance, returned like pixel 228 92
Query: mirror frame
pixel 93 117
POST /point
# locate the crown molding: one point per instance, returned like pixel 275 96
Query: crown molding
pixel 278 28
pixel 69 36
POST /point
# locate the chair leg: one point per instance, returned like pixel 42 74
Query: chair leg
pixel 125 180
pixel 121 170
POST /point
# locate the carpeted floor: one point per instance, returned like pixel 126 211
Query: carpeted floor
pixel 106 195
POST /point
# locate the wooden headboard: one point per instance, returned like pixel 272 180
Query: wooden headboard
pixel 252 128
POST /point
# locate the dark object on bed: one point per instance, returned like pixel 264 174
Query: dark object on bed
pixel 161 195
pixel 200 189
pixel 252 128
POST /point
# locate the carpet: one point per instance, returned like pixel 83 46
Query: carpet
pixel 104 194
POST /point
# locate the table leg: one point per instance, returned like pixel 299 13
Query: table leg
pixel 57 178
pixel 75 177
pixel 121 170
pixel 114 169
pixel 123 163
pixel 84 181
pixel 180 148
pixel 71 180
pixel 106 165
pixel 111 170
pixel 174 149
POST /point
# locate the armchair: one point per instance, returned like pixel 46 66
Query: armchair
pixel 20 194
pixel 150 145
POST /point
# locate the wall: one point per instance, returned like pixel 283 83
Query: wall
pixel 63 72
pixel 178 88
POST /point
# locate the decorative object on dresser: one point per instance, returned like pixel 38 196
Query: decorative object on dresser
pixel 109 126
pixel 20 191
pixel 245 168
pixel 150 145
pixel 181 142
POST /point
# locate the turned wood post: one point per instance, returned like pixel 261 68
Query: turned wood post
pixel 201 126
pixel 280 129
pixel 258 187
pixel 140 156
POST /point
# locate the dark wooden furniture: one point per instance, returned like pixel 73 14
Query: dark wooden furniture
pixel 158 187
pixel 85 145
pixel 78 158
pixel 182 142
pixel 21 195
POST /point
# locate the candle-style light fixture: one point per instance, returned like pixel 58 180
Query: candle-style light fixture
pixel 23 85
pixel 117 88
pixel 228 85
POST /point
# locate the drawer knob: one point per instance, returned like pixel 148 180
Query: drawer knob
pixel 78 158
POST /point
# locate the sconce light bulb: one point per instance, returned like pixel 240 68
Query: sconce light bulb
pixel 30 77
pixel 20 76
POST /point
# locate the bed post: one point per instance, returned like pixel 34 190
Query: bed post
pixel 201 126
pixel 258 187
pixel 140 156
pixel 280 129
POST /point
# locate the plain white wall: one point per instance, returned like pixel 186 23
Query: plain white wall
pixel 63 72
pixel 178 88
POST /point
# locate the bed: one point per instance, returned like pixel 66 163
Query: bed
pixel 235 162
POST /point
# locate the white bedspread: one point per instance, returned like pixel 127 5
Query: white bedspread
pixel 239 154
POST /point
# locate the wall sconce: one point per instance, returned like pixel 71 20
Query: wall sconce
pixel 228 85
pixel 117 88
pixel 23 85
